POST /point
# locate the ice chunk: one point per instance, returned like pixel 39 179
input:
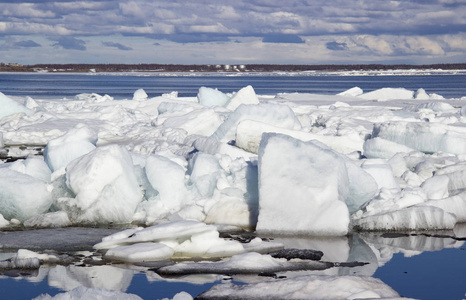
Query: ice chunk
pixel 412 218
pixel 75 143
pixel 213 146
pixel 22 196
pixel 302 188
pixel 385 94
pixel 205 173
pixel 52 219
pixel 105 186
pixel 455 205
pixel 456 175
pixel 9 107
pixel 247 263
pixel 434 106
pixel 306 287
pixel 140 95
pixel 168 179
pixel 3 222
pixel 425 137
pixel 212 97
pixel 246 95
pixel 274 114
pixel 249 134
pixel 381 171
pixel 436 187
pixel 381 148
pixel 352 92
pixel 141 252
pixel 200 121
pixel 82 292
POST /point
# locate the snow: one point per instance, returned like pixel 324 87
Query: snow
pixel 290 163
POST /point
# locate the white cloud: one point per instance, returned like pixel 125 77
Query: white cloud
pixel 24 10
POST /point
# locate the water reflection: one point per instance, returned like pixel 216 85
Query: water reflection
pixel 375 249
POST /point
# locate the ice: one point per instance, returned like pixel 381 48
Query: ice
pixel 306 287
pixel 3 222
pixel 9 107
pixel 246 95
pixel 385 94
pixel 48 220
pixel 249 134
pixel 274 114
pixel 302 188
pixel 247 263
pixel 179 239
pixel 168 179
pixel 140 95
pixel 381 171
pixel 212 97
pixel 105 187
pixel 382 148
pixel 353 92
pixel 195 158
pixel 141 252
pixel 22 196
pixel 455 205
pixel 82 292
pixel 75 143
pixel 423 136
pixel 413 218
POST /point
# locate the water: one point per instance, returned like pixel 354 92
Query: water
pixel 417 267
pixel 51 85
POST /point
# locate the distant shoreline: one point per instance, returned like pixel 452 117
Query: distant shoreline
pixel 247 68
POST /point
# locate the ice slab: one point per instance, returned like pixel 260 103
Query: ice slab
pixel 249 134
pixel 246 95
pixel 306 287
pixel 274 114
pixel 247 263
pixel 212 97
pixel 22 196
pixel 412 218
pixel 302 188
pixel 105 187
pixel 9 107
pixel 424 136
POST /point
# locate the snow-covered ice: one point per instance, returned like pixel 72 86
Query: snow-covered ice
pixel 389 159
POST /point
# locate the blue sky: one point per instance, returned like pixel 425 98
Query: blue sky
pixel 233 32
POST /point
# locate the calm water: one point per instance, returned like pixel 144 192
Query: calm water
pixel 418 267
pixel 51 85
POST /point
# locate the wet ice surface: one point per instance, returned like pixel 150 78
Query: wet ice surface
pixel 392 264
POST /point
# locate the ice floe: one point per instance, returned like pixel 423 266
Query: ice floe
pixel 390 159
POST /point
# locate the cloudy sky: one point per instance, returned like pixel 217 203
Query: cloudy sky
pixel 233 32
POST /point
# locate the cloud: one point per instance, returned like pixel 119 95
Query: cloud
pixel 283 38
pixel 117 45
pixel 27 44
pixel 336 46
pixel 70 43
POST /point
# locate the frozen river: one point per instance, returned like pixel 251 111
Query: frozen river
pixel 424 264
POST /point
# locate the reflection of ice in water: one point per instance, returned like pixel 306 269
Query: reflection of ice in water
pixel 70 277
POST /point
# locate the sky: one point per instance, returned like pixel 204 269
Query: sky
pixel 233 32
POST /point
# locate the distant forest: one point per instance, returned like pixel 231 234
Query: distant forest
pixel 14 67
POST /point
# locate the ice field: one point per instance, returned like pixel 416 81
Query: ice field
pixel 179 172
